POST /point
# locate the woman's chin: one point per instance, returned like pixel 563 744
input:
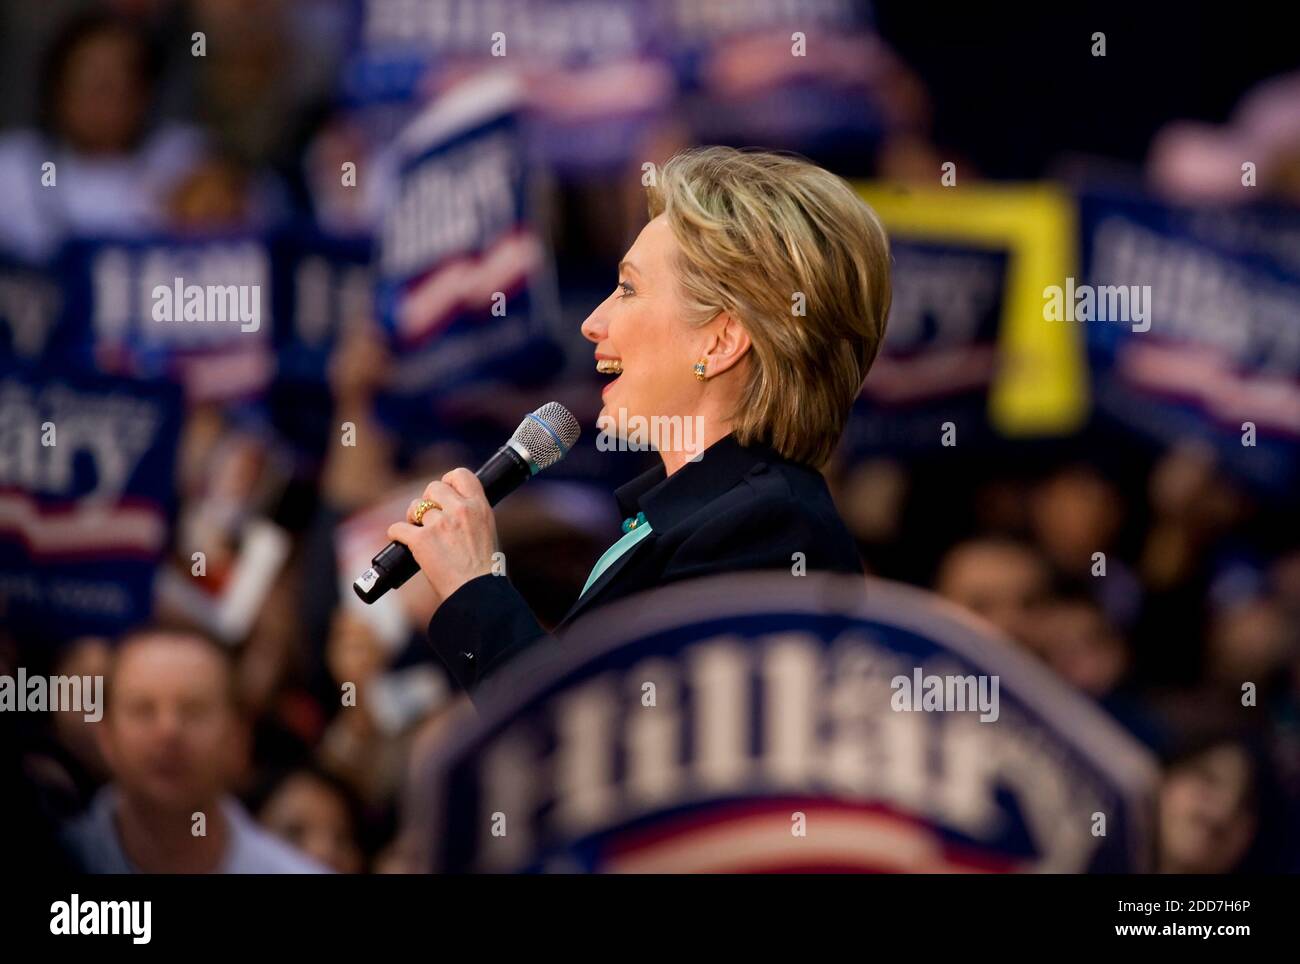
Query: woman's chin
pixel 614 412
pixel 609 399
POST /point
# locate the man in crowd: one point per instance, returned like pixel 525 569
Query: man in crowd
pixel 168 735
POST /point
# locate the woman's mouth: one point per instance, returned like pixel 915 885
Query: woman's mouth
pixel 609 366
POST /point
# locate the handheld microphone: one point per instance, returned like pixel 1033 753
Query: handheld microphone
pixel 542 439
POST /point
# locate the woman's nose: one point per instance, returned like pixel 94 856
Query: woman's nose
pixel 594 328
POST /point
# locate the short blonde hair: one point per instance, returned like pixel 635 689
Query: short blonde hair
pixel 756 231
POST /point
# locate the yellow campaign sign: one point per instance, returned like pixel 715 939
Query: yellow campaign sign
pixel 1041 387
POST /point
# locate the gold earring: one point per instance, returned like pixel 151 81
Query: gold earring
pixel 699 368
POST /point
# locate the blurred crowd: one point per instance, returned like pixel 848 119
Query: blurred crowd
pixel 1198 590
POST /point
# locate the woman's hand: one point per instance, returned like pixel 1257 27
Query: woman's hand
pixel 454 543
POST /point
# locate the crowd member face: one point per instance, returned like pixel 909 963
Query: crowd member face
pixel 1206 816
pixel 1187 487
pixel 1002 582
pixel 354 652
pixel 102 93
pixel 1078 642
pixel 1075 513
pixel 211 197
pixel 170 730
pixel 642 327
pixel 311 815
pixel 88 657
pixel 1250 641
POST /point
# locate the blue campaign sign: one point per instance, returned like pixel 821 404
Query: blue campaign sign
pixel 320 284
pixel 86 500
pixel 193 310
pixel 461 268
pixel 30 305
pixel 769 722
pixel 596 72
pixel 940 353
pixel 796 76
pixel 1194 332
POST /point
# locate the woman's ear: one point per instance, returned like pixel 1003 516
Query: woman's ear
pixel 727 345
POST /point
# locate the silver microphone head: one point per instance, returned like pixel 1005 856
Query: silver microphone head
pixel 545 436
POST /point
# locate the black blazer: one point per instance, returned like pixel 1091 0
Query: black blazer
pixel 736 508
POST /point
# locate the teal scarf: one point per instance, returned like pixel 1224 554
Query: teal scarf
pixel 634 530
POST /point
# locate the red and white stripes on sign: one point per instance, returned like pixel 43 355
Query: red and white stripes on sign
pixel 466 282
pixel 621 88
pixel 83 529
pixel 933 374
pixel 1203 377
pixel 757 838
pixel 227 375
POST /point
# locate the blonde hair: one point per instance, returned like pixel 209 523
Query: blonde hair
pixel 756 231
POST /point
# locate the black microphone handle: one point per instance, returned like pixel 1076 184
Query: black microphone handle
pixel 504 472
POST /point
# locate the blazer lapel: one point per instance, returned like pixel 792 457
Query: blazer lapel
pixel 606 577
pixel 670 500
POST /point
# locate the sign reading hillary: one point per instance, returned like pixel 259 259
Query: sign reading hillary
pixel 594 73
pixel 459 260
pixel 1218 356
pixel 1040 386
pixel 195 311
pixel 941 351
pixel 770 722
pixel 86 467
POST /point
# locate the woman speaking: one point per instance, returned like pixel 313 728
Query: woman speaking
pixel 750 307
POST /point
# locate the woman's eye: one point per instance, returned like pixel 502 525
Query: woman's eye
pixel 625 288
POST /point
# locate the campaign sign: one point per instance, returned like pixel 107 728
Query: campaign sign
pixel 595 72
pixel 197 311
pixel 1270 231
pixel 29 310
pixel 796 76
pixel 770 722
pixel 941 351
pixel 321 284
pixel 86 468
pixel 1190 337
pixel 459 263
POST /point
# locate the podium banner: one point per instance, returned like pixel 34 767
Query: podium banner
pixel 771 722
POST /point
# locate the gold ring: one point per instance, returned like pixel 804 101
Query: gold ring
pixel 424 506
